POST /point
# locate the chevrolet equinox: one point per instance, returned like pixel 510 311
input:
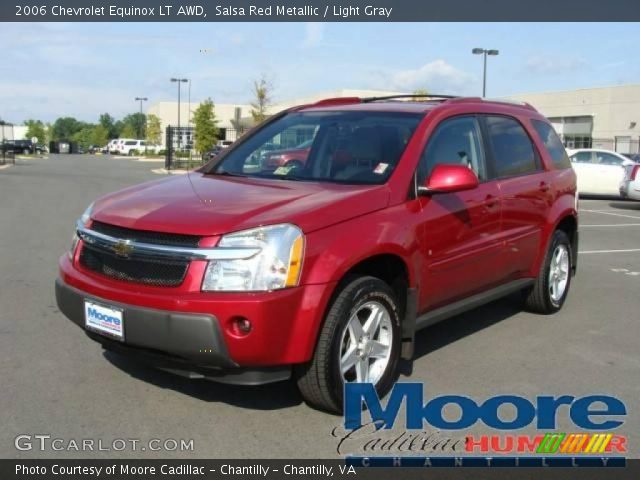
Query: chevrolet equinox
pixel 404 213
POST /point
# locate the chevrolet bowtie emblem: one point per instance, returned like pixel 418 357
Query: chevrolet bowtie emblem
pixel 123 248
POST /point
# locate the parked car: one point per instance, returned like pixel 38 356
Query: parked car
pixel 26 147
pixel 633 156
pixel 7 147
pixel 212 153
pixel 404 214
pixel 290 157
pixel 131 147
pixel 599 172
pixel 630 186
pixel 112 146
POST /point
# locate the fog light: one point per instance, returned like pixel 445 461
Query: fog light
pixel 240 326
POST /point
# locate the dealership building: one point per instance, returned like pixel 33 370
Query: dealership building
pixel 231 116
pixel 603 117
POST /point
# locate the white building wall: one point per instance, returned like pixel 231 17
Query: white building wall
pixel 615 110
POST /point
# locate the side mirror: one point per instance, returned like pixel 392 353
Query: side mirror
pixel 449 178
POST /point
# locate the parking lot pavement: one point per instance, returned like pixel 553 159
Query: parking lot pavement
pixel 57 382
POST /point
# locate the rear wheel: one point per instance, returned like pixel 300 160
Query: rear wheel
pixel 552 285
pixel 359 342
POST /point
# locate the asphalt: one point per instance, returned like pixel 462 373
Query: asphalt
pixel 54 381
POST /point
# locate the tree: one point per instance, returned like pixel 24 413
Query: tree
pixel 134 126
pixel 154 130
pixel 423 92
pixel 83 136
pixel 262 89
pixel 99 135
pixel 206 130
pixel 65 128
pixel 128 131
pixel 109 124
pixel 35 128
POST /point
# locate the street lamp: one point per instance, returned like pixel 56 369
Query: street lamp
pixel 141 99
pixel 179 81
pixel 484 52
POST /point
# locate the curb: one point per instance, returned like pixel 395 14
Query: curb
pixel 164 171
pixel 6 165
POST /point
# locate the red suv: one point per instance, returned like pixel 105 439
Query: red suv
pixel 290 157
pixel 403 214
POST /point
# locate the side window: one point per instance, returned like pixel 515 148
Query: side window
pixel 582 157
pixel 552 143
pixel 607 159
pixel 513 151
pixel 454 142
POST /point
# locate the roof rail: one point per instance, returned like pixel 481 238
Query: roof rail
pixel 327 102
pixel 510 102
pixel 428 97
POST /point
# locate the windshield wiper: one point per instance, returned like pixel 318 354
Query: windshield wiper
pixel 225 173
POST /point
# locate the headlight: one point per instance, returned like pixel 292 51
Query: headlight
pixel 84 219
pixel 278 264
pixel 74 243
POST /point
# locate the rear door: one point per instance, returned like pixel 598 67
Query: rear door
pixel 583 164
pixel 525 191
pixel 610 170
pixel 457 232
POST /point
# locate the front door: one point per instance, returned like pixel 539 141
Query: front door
pixel 458 233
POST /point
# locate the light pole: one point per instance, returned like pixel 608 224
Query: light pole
pixel 484 52
pixel 140 99
pixel 189 122
pixel 179 81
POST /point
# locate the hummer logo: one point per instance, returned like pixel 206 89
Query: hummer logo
pixel 123 248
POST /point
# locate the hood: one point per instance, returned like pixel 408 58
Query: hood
pixel 198 204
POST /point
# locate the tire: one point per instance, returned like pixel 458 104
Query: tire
pixel 548 296
pixel 26 151
pixel 321 380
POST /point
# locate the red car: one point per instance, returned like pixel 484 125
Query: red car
pixel 404 214
pixel 292 157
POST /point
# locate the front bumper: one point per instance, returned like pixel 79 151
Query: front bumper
pixel 187 344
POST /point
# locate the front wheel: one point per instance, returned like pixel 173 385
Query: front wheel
pixel 552 285
pixel 359 342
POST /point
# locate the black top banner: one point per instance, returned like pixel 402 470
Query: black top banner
pixel 319 10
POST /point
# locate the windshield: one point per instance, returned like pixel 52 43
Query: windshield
pixel 341 147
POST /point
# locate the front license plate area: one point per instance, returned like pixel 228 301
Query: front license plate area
pixel 103 319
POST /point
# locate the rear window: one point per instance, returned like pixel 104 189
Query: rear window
pixel 512 148
pixel 552 143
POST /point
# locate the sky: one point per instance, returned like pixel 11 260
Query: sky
pixel 81 70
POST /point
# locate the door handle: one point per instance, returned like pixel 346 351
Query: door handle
pixel 490 201
pixel 544 187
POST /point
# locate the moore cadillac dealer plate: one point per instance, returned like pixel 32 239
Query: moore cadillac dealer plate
pixel 104 320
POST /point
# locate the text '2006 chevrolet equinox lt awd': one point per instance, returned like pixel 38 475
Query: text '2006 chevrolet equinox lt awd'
pixel 403 214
